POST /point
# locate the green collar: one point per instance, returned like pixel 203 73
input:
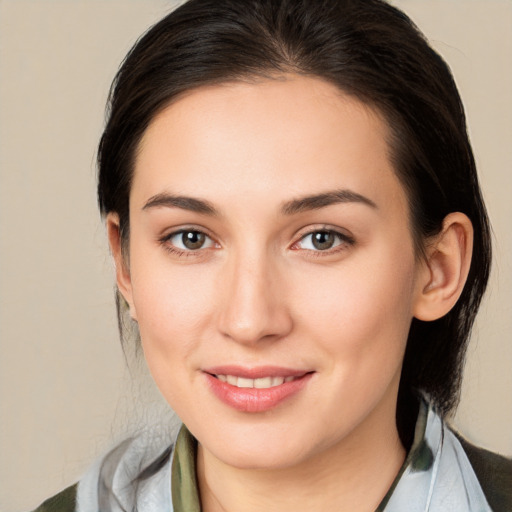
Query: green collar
pixel 185 491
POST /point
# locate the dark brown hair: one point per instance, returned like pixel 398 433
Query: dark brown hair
pixel 368 49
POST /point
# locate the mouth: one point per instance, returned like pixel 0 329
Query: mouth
pixel 256 390
pixel 260 383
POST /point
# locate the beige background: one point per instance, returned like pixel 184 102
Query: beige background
pixel 63 394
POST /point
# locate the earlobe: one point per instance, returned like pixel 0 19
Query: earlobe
pixel 445 268
pixel 123 279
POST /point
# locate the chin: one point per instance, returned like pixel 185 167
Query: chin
pixel 261 447
pixel 261 458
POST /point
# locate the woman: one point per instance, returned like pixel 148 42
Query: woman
pixel 292 204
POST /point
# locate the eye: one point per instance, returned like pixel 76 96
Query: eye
pixel 323 240
pixel 189 240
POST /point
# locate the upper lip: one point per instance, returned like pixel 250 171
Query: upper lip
pixel 256 372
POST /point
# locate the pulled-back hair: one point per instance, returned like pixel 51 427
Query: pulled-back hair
pixel 369 50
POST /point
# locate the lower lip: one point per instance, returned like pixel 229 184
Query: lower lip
pixel 254 399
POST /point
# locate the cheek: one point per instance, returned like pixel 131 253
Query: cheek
pixel 361 306
pixel 173 303
pixel 172 308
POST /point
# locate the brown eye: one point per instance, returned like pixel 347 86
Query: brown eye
pixel 193 239
pixel 323 240
pixel 189 240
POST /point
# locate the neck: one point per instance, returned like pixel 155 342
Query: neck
pixel 353 475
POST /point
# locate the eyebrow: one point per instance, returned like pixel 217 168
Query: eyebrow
pixel 185 203
pixel 313 202
pixel 317 201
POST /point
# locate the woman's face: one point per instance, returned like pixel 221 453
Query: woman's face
pixel 271 268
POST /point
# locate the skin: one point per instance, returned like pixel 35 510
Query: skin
pixel 259 293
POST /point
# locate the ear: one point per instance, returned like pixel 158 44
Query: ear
pixel 445 268
pixel 124 283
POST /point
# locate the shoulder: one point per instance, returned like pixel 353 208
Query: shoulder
pixel 494 472
pixel 62 502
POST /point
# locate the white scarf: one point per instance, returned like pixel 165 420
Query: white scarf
pixel 439 478
pixel 447 483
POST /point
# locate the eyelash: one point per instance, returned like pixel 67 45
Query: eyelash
pixel 343 239
pixel 168 246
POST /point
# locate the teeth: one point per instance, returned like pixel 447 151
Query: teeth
pixel 277 381
pixel 261 383
pixel 264 382
pixel 245 383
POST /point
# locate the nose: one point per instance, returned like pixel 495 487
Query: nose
pixel 254 306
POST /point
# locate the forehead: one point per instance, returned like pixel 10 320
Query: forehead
pixel 296 134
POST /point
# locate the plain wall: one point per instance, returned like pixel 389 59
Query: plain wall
pixel 62 380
